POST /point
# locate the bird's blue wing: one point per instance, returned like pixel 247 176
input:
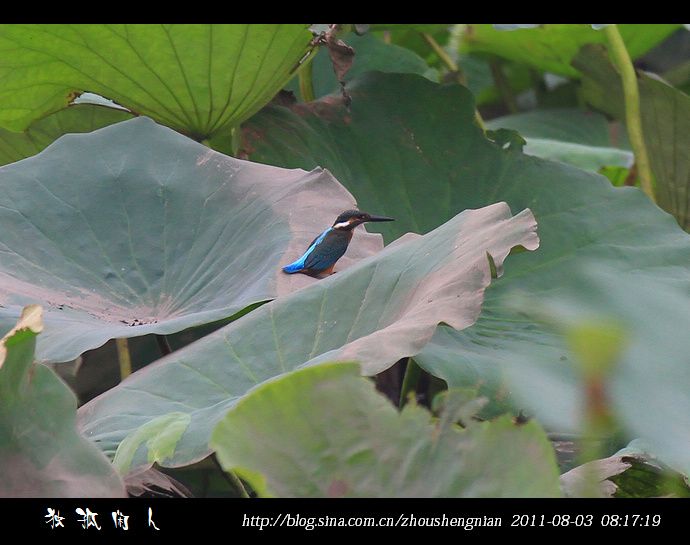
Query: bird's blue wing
pixel 299 264
pixel 327 251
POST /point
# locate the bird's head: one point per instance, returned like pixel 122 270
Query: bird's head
pixel 350 219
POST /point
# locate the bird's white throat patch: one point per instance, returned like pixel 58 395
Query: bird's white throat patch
pixel 342 224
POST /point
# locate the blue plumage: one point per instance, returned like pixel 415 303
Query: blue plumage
pixel 329 246
pixel 297 266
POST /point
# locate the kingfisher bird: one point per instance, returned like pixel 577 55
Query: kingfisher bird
pixel 329 246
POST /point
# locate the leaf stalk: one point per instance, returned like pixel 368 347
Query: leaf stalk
pixel 633 120
pixel 123 358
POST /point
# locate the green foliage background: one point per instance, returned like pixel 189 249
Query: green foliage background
pixel 157 177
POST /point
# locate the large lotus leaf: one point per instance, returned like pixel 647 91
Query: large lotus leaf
pixel 648 385
pixel 136 229
pixel 41 452
pixel 197 78
pixel 15 146
pixel 371 53
pixel 552 47
pixel 382 309
pixel 665 113
pixel 424 164
pixel 325 431
pixel 582 139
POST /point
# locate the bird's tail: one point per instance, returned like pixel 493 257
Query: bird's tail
pixel 292 268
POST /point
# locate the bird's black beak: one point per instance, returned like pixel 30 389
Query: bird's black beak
pixel 380 218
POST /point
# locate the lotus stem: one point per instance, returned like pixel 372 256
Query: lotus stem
pixel 503 86
pixel 633 119
pixel 306 82
pixel 410 380
pixel 123 358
